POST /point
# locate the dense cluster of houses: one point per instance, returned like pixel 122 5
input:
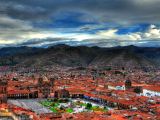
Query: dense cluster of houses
pixel 130 92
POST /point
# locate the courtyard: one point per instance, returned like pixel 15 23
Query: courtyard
pixel 72 106
pixel 47 106
pixel 32 104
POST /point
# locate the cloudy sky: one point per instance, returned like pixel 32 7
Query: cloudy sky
pixel 104 23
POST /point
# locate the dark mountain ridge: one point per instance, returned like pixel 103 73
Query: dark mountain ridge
pixel 8 51
pixel 81 56
pixel 149 52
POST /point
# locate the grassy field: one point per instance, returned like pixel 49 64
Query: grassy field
pixel 68 110
pixel 91 108
pixel 84 104
pixel 54 110
pixel 94 108
pixel 48 103
pixel 104 110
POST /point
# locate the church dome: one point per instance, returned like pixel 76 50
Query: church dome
pixel 44 78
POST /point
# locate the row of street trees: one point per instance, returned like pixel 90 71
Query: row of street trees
pixel 59 100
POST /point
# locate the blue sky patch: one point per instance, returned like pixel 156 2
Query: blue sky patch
pixel 70 20
pixel 134 28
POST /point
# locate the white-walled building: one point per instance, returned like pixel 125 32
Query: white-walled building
pixel 151 91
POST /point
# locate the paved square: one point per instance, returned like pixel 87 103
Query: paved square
pixel 39 108
pixel 31 104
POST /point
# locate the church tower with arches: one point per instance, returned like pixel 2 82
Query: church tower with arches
pixel 46 87
pixel 128 85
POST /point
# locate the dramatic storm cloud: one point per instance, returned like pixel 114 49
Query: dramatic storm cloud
pixel 103 23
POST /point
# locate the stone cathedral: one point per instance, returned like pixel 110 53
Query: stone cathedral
pixel 45 87
pixel 3 91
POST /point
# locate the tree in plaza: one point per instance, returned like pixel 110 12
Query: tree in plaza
pixel 89 105
pixel 97 106
pixel 104 107
pixel 61 100
pixel 55 99
pixel 53 104
pixel 66 100
pixel 61 108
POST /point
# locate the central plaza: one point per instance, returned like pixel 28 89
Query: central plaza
pixel 37 106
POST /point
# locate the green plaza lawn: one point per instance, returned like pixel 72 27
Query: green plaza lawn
pixel 85 104
pixel 96 110
pixel 48 103
pixel 54 108
pixel 104 110
pixel 68 110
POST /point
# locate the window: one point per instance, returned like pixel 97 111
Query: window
pixel 4 88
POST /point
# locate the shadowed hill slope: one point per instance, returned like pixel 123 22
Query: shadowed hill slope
pixel 81 56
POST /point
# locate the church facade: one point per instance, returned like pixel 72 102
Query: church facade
pixel 130 88
pixel 45 87
pixel 63 93
pixel 3 91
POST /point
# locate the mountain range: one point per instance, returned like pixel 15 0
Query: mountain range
pixel 64 55
pixel 8 51
pixel 149 52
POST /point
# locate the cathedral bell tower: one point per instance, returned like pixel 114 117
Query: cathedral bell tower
pixel 128 84
pixel 3 91
pixel 40 81
pixel 51 82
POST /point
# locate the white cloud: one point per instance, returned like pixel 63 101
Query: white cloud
pixel 28 9
pixel 111 34
pixel 109 38
pixel 151 33
pixel 17 31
